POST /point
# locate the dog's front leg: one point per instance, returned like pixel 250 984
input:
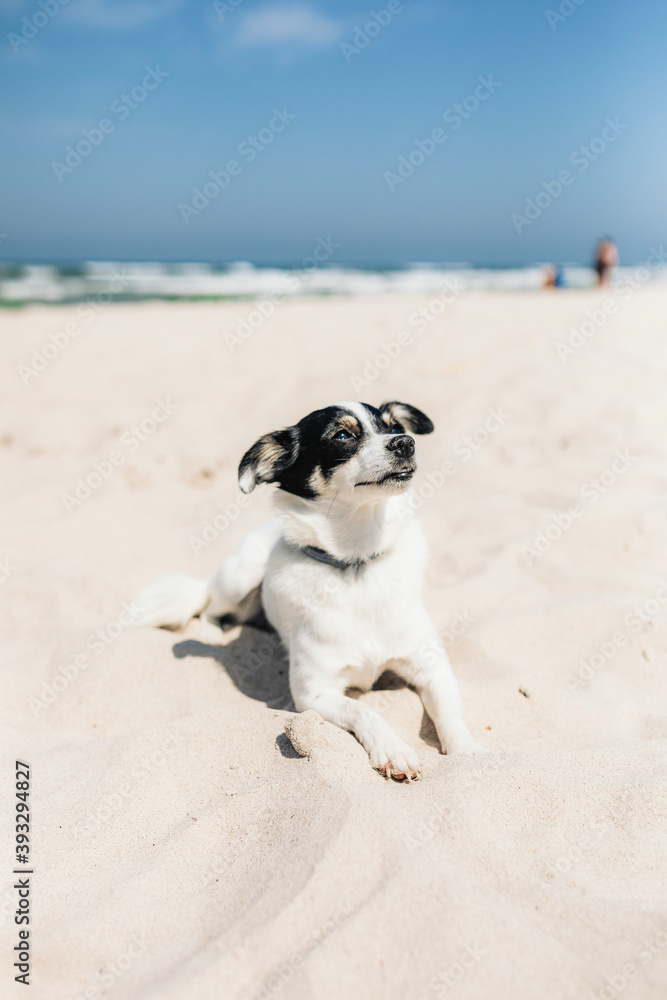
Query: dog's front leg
pixel 431 673
pixel 387 751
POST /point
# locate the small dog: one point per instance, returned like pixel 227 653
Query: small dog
pixel 338 573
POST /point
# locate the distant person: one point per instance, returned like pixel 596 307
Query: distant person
pixel 554 277
pixel 606 259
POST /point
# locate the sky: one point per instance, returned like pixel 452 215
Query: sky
pixel 331 121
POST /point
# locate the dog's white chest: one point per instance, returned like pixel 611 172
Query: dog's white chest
pixel 347 620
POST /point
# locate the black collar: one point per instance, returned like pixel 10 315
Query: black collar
pixel 324 557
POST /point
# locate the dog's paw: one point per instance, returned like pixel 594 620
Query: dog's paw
pixel 465 745
pixel 395 759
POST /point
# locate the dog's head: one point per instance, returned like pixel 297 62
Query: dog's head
pixel 347 448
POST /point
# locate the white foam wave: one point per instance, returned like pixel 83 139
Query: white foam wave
pixel 108 279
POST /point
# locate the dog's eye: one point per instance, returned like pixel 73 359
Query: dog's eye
pixel 396 429
pixel 342 436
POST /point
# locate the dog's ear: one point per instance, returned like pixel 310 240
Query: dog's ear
pixel 267 458
pixel 411 418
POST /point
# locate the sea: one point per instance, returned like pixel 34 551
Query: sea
pixel 22 284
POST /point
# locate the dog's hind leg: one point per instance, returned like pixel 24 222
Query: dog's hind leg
pixel 174 599
pixel 234 591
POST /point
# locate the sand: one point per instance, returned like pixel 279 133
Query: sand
pixel 181 846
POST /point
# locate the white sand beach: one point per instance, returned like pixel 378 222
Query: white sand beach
pixel 181 847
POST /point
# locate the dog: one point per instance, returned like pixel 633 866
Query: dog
pixel 338 573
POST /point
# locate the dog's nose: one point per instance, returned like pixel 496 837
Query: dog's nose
pixel 402 444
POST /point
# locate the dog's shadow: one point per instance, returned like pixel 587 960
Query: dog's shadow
pixel 255 661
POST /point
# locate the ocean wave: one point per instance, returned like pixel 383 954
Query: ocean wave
pixel 106 280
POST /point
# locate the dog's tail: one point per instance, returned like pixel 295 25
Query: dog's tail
pixel 171 601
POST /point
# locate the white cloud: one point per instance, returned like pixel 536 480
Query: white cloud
pixel 119 15
pixel 287 25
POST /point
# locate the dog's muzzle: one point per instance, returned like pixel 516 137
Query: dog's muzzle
pixel 401 448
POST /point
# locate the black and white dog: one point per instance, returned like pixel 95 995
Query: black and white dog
pixel 338 572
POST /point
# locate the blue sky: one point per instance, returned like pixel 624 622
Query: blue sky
pixel 557 80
